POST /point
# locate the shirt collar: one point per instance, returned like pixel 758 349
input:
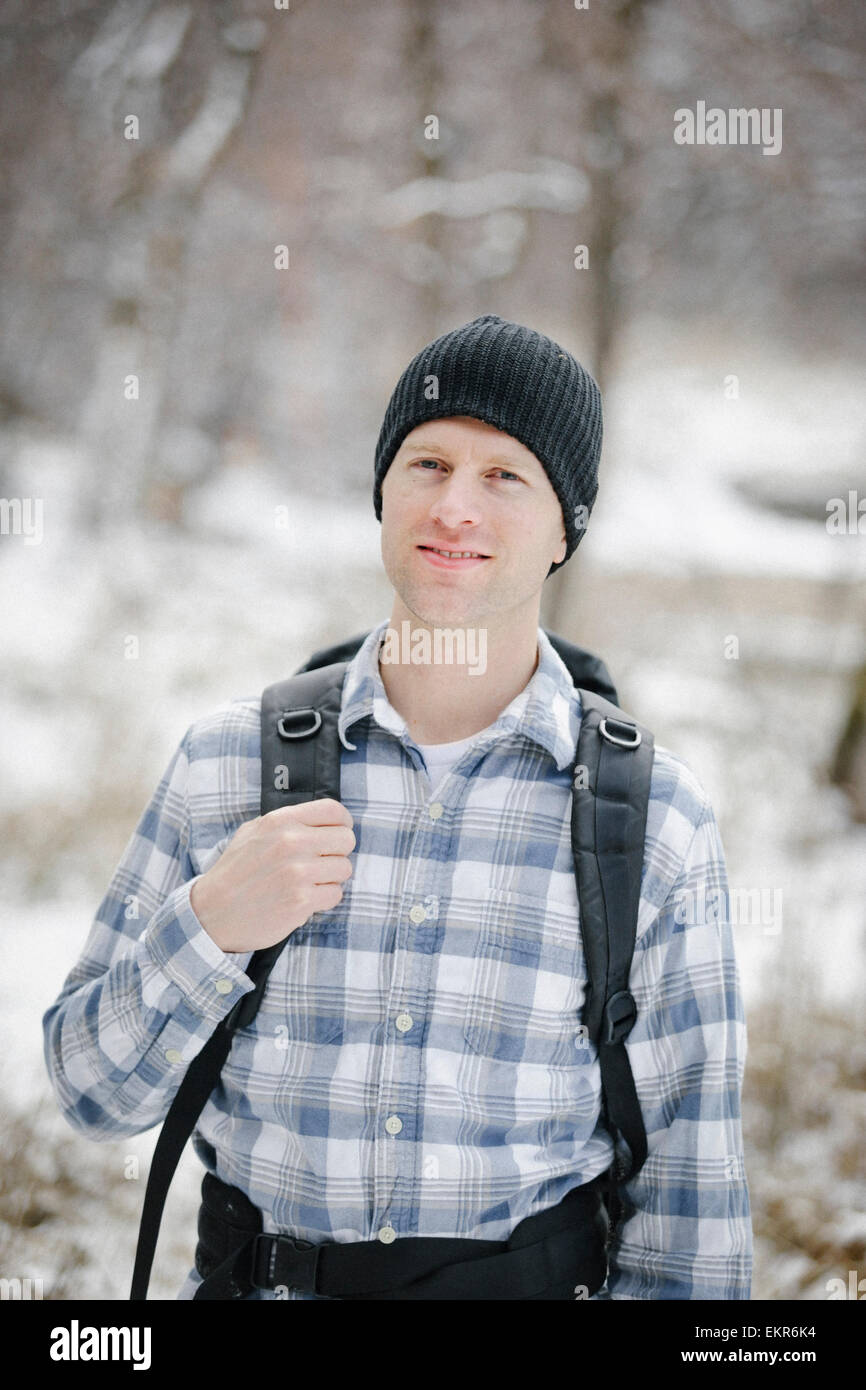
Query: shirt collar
pixel 546 710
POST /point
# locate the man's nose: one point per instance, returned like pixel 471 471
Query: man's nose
pixel 457 501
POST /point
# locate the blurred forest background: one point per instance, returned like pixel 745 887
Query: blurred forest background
pixel 196 412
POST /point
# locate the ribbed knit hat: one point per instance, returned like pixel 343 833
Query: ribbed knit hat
pixel 520 382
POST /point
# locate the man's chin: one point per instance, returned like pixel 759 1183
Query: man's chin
pixel 435 612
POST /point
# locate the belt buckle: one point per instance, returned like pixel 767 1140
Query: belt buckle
pixel 302 1265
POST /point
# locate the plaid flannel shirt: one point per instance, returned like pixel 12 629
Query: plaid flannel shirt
pixel 417 1067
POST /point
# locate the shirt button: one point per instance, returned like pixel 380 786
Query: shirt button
pixel 436 810
pixel 404 1022
pixel 417 913
pixel 223 986
pixel 387 1234
pixel 393 1124
pixel 172 1055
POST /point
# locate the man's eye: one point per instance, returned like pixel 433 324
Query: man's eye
pixel 504 471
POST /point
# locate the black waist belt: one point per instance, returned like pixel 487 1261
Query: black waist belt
pixel 557 1253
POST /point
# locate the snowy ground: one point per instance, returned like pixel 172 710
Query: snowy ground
pixel 86 733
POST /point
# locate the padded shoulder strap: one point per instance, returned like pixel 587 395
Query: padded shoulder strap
pixel 296 766
pixel 612 773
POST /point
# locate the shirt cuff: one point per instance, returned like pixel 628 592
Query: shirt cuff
pixel 185 957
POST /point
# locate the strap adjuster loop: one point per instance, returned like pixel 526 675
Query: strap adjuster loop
pixel 292 714
pixel 620 1013
pixel 622 724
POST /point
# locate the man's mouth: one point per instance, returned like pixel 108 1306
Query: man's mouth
pixel 452 559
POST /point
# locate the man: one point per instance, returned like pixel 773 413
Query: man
pixel 415 1069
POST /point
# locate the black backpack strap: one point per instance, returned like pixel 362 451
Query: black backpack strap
pixel 295 767
pixel 613 769
pixel 587 671
pixel 200 1078
pixel 340 651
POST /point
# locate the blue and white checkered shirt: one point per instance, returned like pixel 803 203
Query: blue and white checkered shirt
pixel 417 1066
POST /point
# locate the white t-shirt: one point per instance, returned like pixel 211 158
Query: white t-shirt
pixel 441 757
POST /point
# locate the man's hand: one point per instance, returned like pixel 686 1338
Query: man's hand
pixel 277 871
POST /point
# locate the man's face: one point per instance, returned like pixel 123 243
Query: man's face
pixel 460 484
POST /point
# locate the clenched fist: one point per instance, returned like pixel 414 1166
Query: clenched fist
pixel 275 873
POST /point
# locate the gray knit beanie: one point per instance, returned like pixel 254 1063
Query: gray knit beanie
pixel 520 382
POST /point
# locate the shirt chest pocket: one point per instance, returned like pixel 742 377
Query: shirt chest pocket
pixel 527 985
pixel 304 999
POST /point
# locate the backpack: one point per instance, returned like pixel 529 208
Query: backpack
pixel 608 826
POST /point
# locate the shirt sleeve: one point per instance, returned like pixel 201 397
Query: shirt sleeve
pixel 150 985
pixel 688 1232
